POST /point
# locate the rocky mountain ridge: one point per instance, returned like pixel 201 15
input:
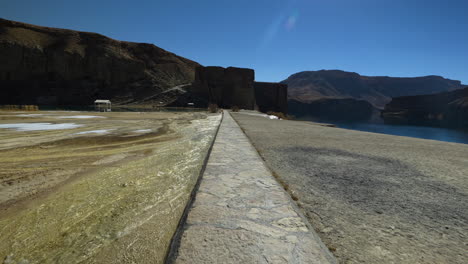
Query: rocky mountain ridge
pixel 41 65
pixel 50 66
pixel 308 86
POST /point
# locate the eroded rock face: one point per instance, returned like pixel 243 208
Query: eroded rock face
pixel 332 109
pixel 41 65
pixel 271 96
pixel 49 66
pixel 209 84
pixel 230 87
pixel 446 109
pixel 226 87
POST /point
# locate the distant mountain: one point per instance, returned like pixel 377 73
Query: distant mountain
pixel 446 109
pixel 308 86
pixel 41 65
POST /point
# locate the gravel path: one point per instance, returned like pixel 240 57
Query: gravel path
pixel 242 215
pixel 372 198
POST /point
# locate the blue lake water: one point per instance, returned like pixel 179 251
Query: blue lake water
pixel 426 132
pixel 375 124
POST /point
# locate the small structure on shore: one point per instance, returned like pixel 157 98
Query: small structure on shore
pixel 103 105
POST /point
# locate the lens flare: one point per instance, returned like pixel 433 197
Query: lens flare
pixel 291 21
pixel 282 22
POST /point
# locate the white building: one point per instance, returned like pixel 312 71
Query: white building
pixel 103 105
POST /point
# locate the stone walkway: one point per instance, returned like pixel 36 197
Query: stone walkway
pixel 242 215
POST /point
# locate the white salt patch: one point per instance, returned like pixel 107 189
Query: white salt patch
pixel 142 130
pixel 262 115
pixel 100 131
pixel 254 114
pixel 31 115
pixel 39 126
pixel 80 117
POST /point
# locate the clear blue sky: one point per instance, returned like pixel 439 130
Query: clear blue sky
pixel 278 37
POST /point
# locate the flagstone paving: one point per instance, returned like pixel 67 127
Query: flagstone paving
pixel 241 214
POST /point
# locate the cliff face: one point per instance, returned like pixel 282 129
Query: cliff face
pixel 229 87
pixel 225 87
pixel 49 66
pixel 311 85
pixel 447 109
pixel 42 65
pixel 332 109
pixel 271 96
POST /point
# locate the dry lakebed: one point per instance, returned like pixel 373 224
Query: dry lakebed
pixel 83 187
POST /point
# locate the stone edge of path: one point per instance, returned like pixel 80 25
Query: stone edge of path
pixel 327 256
pixel 314 234
pixel 175 240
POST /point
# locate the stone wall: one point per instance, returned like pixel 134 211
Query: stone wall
pixel 271 96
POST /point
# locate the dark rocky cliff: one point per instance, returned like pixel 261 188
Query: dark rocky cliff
pixel 331 109
pixel 446 109
pixel 49 66
pixel 271 96
pixel 40 65
pixel 233 87
pixel 226 87
pixel 312 85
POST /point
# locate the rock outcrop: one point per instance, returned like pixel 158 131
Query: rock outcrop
pixel 49 66
pixel 332 109
pixel 311 85
pixel 271 96
pixel 445 109
pixel 226 87
pixel 233 87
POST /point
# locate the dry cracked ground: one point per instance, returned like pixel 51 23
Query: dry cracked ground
pixel 372 198
pixel 81 187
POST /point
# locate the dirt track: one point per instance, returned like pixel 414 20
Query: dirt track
pixel 372 198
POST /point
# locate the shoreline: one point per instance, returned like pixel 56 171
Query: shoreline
pixel 372 198
pixel 436 133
